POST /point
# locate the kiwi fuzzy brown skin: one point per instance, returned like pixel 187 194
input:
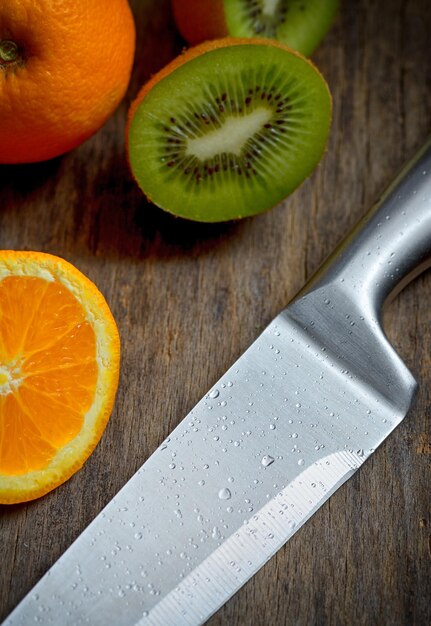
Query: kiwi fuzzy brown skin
pixel 184 58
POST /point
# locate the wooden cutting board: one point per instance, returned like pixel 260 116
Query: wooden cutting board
pixel 189 298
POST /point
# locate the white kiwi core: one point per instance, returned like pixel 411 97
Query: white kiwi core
pixel 269 7
pixel 231 137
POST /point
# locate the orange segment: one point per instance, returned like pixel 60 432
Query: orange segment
pixel 76 345
pixel 66 313
pixel 19 297
pixel 23 448
pixel 57 423
pixel 59 362
pixel 67 386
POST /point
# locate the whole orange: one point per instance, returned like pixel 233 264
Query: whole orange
pixel 64 67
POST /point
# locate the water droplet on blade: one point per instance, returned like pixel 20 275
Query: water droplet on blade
pixel 224 494
pixel 216 534
pixel 267 460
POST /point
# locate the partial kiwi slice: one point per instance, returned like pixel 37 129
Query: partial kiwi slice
pixel 228 129
pixel 301 24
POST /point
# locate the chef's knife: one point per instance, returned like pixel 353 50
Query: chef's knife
pixel 292 420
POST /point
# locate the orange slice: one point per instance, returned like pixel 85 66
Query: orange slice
pixel 59 366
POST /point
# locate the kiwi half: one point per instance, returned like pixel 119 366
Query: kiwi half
pixel 301 24
pixel 228 129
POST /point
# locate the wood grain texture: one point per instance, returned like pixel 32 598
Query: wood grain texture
pixel 190 298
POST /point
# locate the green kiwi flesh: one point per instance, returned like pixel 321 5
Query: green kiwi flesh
pixel 300 24
pixel 230 133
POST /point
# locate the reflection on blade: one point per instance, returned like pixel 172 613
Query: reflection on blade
pixel 215 580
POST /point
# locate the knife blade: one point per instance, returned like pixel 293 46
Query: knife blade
pixel 288 423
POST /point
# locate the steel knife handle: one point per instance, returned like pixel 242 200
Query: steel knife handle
pixel 391 244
